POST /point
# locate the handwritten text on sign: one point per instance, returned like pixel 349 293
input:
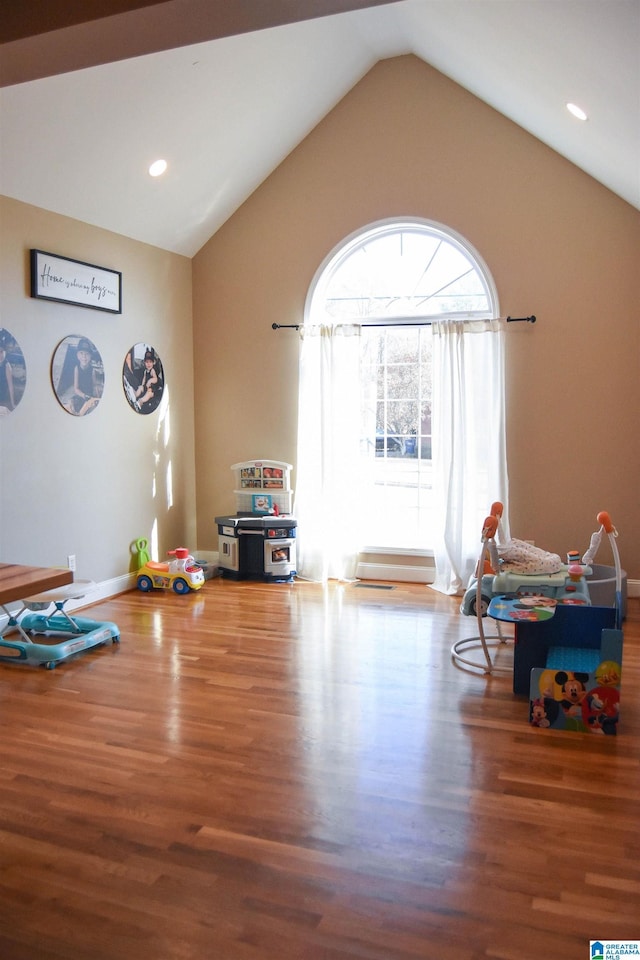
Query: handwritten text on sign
pixel 72 281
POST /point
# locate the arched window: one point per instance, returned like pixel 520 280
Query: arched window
pixel 408 271
pixel 394 278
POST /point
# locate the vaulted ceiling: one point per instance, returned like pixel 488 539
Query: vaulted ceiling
pixel 225 89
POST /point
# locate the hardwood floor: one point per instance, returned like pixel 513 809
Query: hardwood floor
pixel 286 772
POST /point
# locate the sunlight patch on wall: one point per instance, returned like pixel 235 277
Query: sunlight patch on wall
pixel 164 420
pixel 154 538
pixel 169 486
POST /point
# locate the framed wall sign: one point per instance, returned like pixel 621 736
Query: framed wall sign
pixel 75 282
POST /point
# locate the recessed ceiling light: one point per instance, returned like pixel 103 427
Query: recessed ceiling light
pixel 576 111
pixel 157 168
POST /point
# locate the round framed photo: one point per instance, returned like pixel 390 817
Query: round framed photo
pixel 13 373
pixel 77 375
pixel 143 378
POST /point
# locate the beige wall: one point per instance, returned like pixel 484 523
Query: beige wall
pixel 405 141
pixel 408 141
pixel 90 485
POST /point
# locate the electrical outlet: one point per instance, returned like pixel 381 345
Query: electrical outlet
pixel 71 561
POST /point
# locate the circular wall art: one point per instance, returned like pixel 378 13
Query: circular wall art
pixel 77 374
pixel 13 373
pixel 143 378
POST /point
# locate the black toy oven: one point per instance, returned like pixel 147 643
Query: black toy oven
pixel 256 547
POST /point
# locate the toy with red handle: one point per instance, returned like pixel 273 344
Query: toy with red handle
pixel 606 526
pixel 604 519
pixel 183 560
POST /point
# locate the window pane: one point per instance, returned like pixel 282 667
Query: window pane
pixel 402 416
pixel 402 381
pixel 403 272
pixel 402 344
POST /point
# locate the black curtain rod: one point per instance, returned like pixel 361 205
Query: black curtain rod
pixel 408 323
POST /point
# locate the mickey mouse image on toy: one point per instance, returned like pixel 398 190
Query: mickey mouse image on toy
pixel 573 687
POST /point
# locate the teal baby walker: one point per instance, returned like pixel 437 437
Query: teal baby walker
pixel 44 615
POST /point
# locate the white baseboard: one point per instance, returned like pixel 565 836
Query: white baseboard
pixel 402 573
pixel 106 589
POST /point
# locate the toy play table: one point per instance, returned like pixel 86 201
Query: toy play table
pixel 532 609
pixel 541 624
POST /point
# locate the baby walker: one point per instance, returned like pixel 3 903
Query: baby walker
pixel 517 568
pixel 515 582
pixel 70 634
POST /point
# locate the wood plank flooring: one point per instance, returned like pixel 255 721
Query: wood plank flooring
pixel 292 772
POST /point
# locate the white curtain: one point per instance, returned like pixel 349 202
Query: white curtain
pixel 469 455
pixel 329 479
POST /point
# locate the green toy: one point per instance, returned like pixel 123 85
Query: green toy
pixel 140 553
